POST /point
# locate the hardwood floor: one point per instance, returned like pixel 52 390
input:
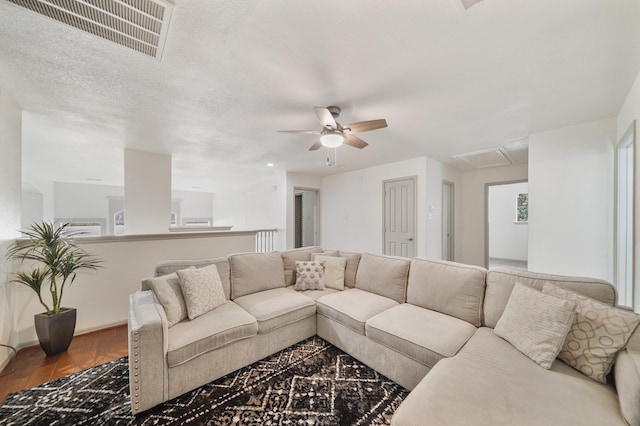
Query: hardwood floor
pixel 33 368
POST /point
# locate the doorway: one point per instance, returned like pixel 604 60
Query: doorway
pixel 625 227
pixel 306 217
pixel 399 217
pixel 507 230
pixel 447 220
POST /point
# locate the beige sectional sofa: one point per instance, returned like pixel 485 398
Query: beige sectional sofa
pixel 426 324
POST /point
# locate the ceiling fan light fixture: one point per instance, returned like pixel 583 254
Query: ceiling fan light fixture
pixel 331 140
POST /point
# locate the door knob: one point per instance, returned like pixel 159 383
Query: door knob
pixel 409 239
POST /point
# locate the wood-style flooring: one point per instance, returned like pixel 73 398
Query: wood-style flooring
pixel 33 367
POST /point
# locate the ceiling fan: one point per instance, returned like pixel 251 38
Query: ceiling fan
pixel 334 134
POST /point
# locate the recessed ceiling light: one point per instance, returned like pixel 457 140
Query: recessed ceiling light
pixel 270 164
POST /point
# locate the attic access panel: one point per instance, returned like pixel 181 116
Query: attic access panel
pixel 140 25
pixel 485 158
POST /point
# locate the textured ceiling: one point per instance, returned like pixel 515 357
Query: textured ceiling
pixel 447 80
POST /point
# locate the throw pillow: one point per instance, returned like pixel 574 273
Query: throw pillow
pixel 536 323
pixel 333 270
pixel 598 332
pixel 168 292
pixel 309 275
pixel 202 290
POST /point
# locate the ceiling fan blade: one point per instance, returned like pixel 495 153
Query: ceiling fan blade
pixel 365 126
pixel 354 141
pixel 308 132
pixel 315 146
pixel 325 118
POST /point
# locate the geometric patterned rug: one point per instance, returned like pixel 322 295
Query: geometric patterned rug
pixel 310 383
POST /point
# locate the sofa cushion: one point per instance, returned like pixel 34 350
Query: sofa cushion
pixel 596 335
pixel 384 275
pixel 277 307
pixel 222 263
pixel 224 325
pixel 490 382
pixel 309 275
pixel 253 272
pixel 333 270
pixel 202 290
pixel 500 282
pixel 351 268
pixel 627 378
pixel 316 294
pixel 353 307
pixel 289 258
pixel 421 334
pixel 167 289
pixel 451 288
pixel 536 323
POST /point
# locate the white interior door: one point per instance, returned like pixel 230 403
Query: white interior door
pixel 399 217
pixel 447 221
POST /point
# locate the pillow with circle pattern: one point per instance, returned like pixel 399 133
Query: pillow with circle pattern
pixel 309 275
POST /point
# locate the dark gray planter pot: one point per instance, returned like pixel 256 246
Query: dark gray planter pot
pixel 55 331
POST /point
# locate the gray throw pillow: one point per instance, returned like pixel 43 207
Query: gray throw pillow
pixel 333 270
pixel 202 290
pixel 167 290
pixel 536 323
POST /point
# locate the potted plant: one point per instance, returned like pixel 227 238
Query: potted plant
pixel 56 258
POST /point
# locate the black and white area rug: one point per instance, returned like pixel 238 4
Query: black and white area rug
pixel 310 383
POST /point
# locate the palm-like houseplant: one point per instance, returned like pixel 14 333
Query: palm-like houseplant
pixel 56 259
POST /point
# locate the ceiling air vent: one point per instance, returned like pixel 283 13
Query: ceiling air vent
pixel 485 158
pixel 468 3
pixel 140 25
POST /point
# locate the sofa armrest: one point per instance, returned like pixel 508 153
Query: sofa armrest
pixel 148 331
pixel 627 377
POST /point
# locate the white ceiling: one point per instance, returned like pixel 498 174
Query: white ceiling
pixel 448 81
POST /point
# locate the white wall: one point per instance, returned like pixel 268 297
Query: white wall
pixel 571 200
pixel 258 205
pixel 46 188
pixel 508 239
pixel 629 112
pixel 32 208
pixel 85 201
pixel 471 247
pixel 147 189
pixel 10 194
pixel 194 205
pixel 352 206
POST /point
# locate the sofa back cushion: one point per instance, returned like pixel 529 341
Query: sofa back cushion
pixel 451 288
pixel 290 257
pixel 501 281
pixel 222 263
pixel 254 272
pixel 351 270
pixel 384 275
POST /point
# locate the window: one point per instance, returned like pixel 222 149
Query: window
pixel 522 208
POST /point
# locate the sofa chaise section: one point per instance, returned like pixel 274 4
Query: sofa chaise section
pixel 491 382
